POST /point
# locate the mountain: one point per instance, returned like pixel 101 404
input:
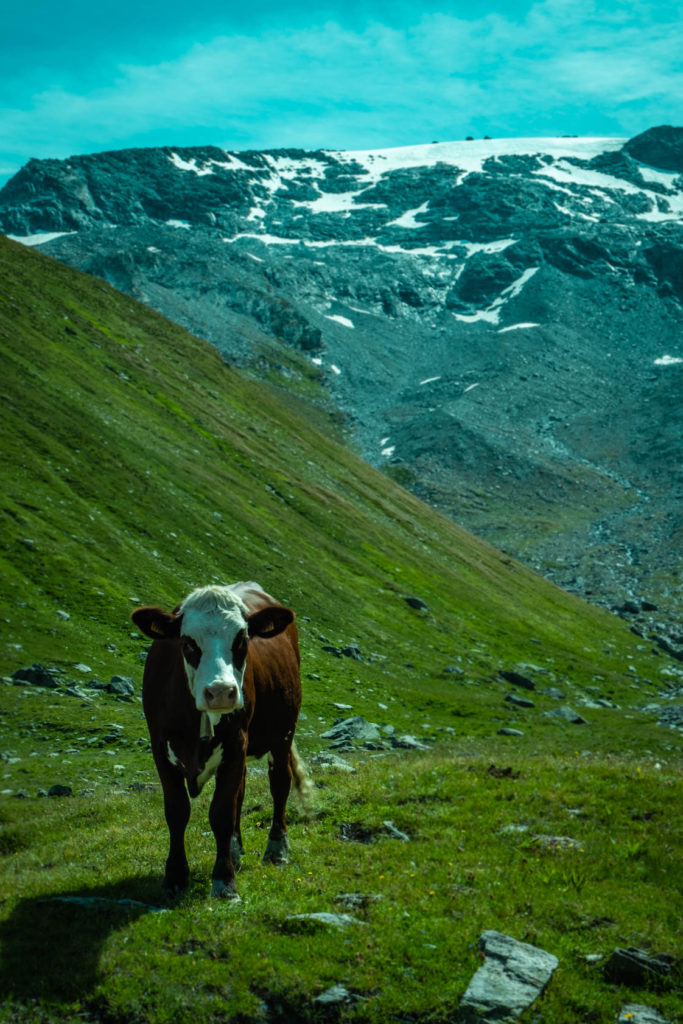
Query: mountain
pixel 499 321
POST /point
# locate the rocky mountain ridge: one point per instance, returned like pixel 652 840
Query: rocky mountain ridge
pixel 500 320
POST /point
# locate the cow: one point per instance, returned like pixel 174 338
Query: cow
pixel 221 683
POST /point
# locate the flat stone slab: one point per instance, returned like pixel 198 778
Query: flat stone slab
pixel 511 977
pixel 635 1013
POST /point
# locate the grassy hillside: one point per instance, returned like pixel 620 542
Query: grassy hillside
pixel 137 465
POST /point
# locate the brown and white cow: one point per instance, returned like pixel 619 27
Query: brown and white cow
pixel 221 683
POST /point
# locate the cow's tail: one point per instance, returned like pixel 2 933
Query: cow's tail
pixel 302 782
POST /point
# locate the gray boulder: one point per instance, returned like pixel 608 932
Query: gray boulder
pixel 355 728
pixel 36 675
pixel 511 977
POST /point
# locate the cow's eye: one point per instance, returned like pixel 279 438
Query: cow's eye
pixel 239 649
pixel 191 651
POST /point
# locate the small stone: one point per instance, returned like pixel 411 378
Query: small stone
pixel 355 728
pixel 519 702
pixel 327 759
pixel 395 833
pixel 123 686
pixel 58 790
pixel 417 603
pixel 36 675
pixel 510 732
pixel 636 1013
pixel 407 742
pixel 63 615
pixel 566 714
pixel 635 967
pixel 80 667
pixel 518 679
pixel 332 996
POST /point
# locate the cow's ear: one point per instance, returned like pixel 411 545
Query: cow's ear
pixel 269 621
pixel 156 623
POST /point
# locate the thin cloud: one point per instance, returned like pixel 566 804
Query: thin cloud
pixel 336 86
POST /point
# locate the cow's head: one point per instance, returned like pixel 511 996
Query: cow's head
pixel 213 627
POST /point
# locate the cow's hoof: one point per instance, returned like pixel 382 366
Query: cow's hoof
pixel 224 890
pixel 277 851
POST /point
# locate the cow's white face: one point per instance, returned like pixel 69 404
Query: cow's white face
pixel 213 641
pixel 213 626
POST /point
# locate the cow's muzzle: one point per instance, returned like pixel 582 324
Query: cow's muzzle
pixel 222 697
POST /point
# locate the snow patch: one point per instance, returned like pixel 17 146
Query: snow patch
pixel 189 165
pixel 388 452
pixel 407 219
pixel 335 369
pixel 516 327
pixel 470 156
pixel 178 224
pixel 40 238
pixel 668 361
pixel 343 320
pixel 471 387
pixel 429 380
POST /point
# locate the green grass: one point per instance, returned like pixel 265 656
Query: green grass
pixel 137 465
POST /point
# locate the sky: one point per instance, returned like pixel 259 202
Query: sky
pixel 81 77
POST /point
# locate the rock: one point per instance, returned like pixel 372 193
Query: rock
pixel 566 714
pixel 63 615
pixel 357 900
pixel 553 693
pixel 509 732
pixel 407 742
pixel 519 702
pixel 58 790
pixel 635 1013
pixel 636 967
pixel 327 759
pixel 660 147
pixel 80 667
pixel 123 686
pixel 518 679
pixel 416 602
pixel 333 996
pixel 37 675
pixel 395 833
pixel 512 976
pixel 355 728
pixel 671 717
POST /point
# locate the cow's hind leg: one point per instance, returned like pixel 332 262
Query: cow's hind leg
pixel 280 779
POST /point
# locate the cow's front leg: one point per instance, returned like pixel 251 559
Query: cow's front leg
pixel 224 819
pixel 280 779
pixel 177 811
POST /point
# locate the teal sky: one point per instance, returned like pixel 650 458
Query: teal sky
pixel 79 77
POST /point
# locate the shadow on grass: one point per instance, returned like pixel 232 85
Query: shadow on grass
pixel 51 945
